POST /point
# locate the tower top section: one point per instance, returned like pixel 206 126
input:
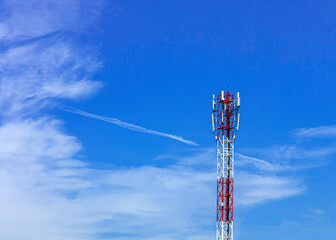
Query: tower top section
pixel 225 116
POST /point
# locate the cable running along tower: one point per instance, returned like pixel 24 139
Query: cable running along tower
pixel 225 123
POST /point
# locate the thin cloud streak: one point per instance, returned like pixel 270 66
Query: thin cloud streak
pixel 263 165
pixel 323 131
pixel 129 126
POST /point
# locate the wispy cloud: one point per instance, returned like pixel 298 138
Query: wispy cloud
pixel 256 188
pixel 244 160
pixel 323 131
pixel 291 157
pixel 45 185
pixel 37 65
pixel 26 20
pixel 36 73
pixel 251 187
pixel 129 126
pixel 46 190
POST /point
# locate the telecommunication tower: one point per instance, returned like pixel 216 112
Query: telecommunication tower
pixel 225 124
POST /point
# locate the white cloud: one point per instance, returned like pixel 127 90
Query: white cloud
pixel 296 156
pixel 33 74
pixel 36 66
pixel 37 167
pixel 34 18
pixel 243 160
pixel 323 131
pixel 39 139
pixel 44 185
pixel 255 189
pixel 47 193
pixel 29 154
pixel 251 187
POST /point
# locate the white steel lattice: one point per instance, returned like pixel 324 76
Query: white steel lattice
pixel 225 167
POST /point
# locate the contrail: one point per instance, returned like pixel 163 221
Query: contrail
pixel 129 126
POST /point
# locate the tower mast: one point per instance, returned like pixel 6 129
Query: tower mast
pixel 225 124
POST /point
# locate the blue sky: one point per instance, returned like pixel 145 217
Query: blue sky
pixel 106 118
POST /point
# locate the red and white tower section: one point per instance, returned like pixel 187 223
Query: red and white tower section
pixel 225 124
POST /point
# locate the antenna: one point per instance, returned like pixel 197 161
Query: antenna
pixel 237 128
pixel 237 100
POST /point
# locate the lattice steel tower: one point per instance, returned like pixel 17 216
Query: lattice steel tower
pixel 225 123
